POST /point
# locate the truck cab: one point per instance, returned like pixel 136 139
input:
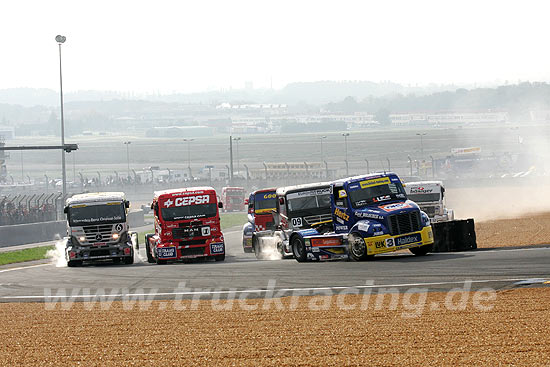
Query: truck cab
pixel 297 207
pixel 430 197
pixel 370 215
pixel 187 226
pixel 232 198
pixel 98 229
pixel 261 204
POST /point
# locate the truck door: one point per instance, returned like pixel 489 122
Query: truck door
pixel 341 212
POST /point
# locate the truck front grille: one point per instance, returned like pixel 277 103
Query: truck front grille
pixel 99 233
pixel 317 218
pixel 404 223
pixel 192 251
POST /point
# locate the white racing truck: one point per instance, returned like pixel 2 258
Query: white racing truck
pixel 97 228
pixel 430 197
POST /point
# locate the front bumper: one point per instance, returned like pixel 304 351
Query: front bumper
pixel 386 243
pixel 92 253
pixel 175 251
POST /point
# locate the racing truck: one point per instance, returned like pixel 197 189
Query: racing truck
pixel 370 215
pixel 297 207
pixel 261 205
pixel 430 197
pixel 232 198
pixel 187 226
pixel 97 228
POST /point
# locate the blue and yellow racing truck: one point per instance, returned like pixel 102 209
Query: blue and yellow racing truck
pixel 370 215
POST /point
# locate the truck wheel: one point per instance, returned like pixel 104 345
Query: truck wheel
pixel 299 249
pixel 422 250
pixel 150 258
pixel 160 262
pixel 256 244
pixel 219 257
pixel 129 260
pixel 73 263
pixel 357 247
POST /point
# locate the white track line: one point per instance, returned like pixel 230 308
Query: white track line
pixel 23 267
pixel 274 290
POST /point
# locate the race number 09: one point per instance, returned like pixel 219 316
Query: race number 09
pixel 296 222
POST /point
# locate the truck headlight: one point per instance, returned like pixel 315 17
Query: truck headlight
pixel 115 236
pixel 82 238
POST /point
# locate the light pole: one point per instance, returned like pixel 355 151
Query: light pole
pixel 22 172
pixel 321 138
pixel 60 40
pixel 237 151
pixel 421 144
pixel 189 155
pixel 127 143
pixel 345 135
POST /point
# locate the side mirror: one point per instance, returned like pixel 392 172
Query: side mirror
pixel 220 205
pixel 152 206
pixel 126 204
pixel 245 201
pixel 66 209
pixel 282 201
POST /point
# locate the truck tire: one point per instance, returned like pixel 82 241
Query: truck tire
pixel 219 257
pixel 150 258
pixel 357 248
pixel 256 245
pixel 129 260
pixel 73 263
pixel 160 262
pixel 422 250
pixel 299 249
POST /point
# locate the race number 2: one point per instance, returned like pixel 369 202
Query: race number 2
pixel 296 222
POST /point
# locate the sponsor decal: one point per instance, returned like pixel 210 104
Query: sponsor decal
pixel 205 231
pixel 323 257
pixel 339 213
pixel 396 206
pixel 309 232
pixel 315 249
pixel 421 190
pixel 369 215
pixel 326 242
pixel 264 211
pixel 341 228
pixel 380 244
pixel 363 227
pixel 187 200
pixel 374 182
pixel 390 242
pixel 379 233
pixel 381 198
pixel 317 192
pixel 166 252
pixel 310 256
pixel 119 227
pixel 408 239
pixel 269 196
pixel 217 248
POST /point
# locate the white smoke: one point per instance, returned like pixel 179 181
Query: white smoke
pixel 57 255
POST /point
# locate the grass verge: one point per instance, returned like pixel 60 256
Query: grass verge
pixel 30 254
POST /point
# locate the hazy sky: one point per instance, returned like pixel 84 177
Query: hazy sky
pixel 166 46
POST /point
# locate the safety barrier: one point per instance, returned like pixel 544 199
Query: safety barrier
pixel 453 236
pixel 22 234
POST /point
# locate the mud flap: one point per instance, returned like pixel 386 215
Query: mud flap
pixel 454 236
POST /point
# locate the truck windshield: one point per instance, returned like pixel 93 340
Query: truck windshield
pixel 377 193
pixel 307 200
pixel 422 198
pixel 264 202
pixel 189 212
pixel 96 214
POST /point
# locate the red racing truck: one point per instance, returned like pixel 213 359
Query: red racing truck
pixel 261 205
pixel 232 199
pixel 187 226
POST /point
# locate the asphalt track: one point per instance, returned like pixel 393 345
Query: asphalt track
pixel 241 274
